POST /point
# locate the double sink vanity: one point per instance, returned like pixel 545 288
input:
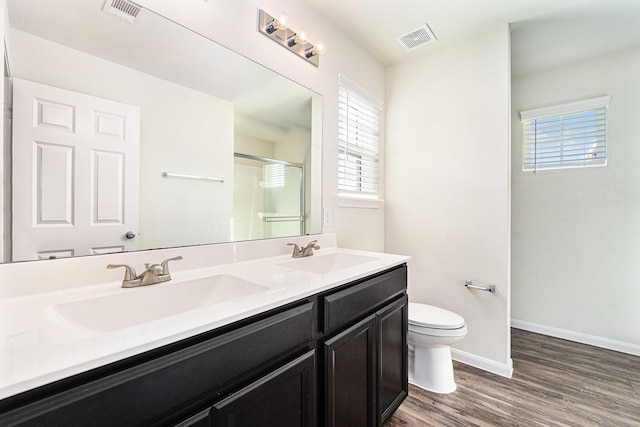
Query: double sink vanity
pixel 239 336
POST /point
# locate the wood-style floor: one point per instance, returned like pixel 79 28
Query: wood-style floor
pixel 555 383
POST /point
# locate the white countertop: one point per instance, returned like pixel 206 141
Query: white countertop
pixel 38 348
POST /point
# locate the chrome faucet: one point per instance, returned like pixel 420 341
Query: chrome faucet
pixel 305 250
pixel 153 273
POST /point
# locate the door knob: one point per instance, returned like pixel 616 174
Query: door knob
pixel 130 235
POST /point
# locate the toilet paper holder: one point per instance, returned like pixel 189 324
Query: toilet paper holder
pixel 490 288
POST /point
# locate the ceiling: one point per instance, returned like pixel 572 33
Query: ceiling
pixel 544 32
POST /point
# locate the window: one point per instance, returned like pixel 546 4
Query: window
pixel 273 175
pixel 358 139
pixel 565 136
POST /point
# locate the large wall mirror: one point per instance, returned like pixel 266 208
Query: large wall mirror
pixel 132 132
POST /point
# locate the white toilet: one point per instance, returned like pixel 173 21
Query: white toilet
pixel 431 331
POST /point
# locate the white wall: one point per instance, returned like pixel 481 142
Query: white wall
pixel 233 24
pixel 447 182
pixel 171 115
pixel 576 233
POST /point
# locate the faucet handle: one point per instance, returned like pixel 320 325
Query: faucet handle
pixel 308 250
pixel 165 264
pixel 296 250
pixel 130 278
pixel 129 273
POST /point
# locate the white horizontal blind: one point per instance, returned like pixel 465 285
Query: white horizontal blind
pixel 569 135
pixel 273 175
pixel 358 139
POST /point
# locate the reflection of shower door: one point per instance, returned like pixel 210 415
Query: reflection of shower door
pixel 268 198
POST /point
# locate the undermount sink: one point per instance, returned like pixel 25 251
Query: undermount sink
pixel 145 304
pixel 323 264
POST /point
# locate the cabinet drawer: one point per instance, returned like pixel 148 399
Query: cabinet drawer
pixel 342 307
pixel 161 389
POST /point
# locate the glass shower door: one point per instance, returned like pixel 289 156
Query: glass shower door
pixel 268 198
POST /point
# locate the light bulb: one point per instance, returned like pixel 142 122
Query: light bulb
pixel 314 50
pixel 295 39
pixel 322 48
pixel 272 26
pixel 302 37
pixel 283 20
pixel 310 52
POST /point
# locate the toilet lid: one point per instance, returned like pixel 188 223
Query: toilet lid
pixel 429 316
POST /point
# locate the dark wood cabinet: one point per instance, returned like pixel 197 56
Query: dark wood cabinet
pixel 350 376
pixel 201 419
pixel 366 368
pixel 285 397
pixel 338 358
pixel 392 357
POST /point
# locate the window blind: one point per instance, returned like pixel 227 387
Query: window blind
pixel 568 135
pixel 358 140
pixel 273 176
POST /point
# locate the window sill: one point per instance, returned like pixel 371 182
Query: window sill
pixel 348 201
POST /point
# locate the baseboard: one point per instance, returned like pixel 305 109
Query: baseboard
pixel 504 370
pixel 609 344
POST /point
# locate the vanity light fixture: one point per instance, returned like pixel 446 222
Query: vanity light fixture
pixel 295 41
pixel 272 26
pixel 276 24
pixel 315 50
pixel 298 38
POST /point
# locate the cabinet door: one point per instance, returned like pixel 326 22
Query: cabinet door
pixel 285 397
pixel 391 323
pixel 350 376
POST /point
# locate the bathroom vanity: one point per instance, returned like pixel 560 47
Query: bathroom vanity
pixel 337 355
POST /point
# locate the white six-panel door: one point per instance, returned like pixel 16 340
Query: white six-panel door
pixel 75 173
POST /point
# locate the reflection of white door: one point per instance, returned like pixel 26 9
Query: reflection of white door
pixel 75 173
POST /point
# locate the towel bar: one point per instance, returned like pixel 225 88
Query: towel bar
pixel 203 178
pixel 469 284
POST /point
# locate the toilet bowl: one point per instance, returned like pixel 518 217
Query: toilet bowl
pixel 431 331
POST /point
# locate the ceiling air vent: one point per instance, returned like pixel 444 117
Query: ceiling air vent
pixel 123 9
pixel 416 38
